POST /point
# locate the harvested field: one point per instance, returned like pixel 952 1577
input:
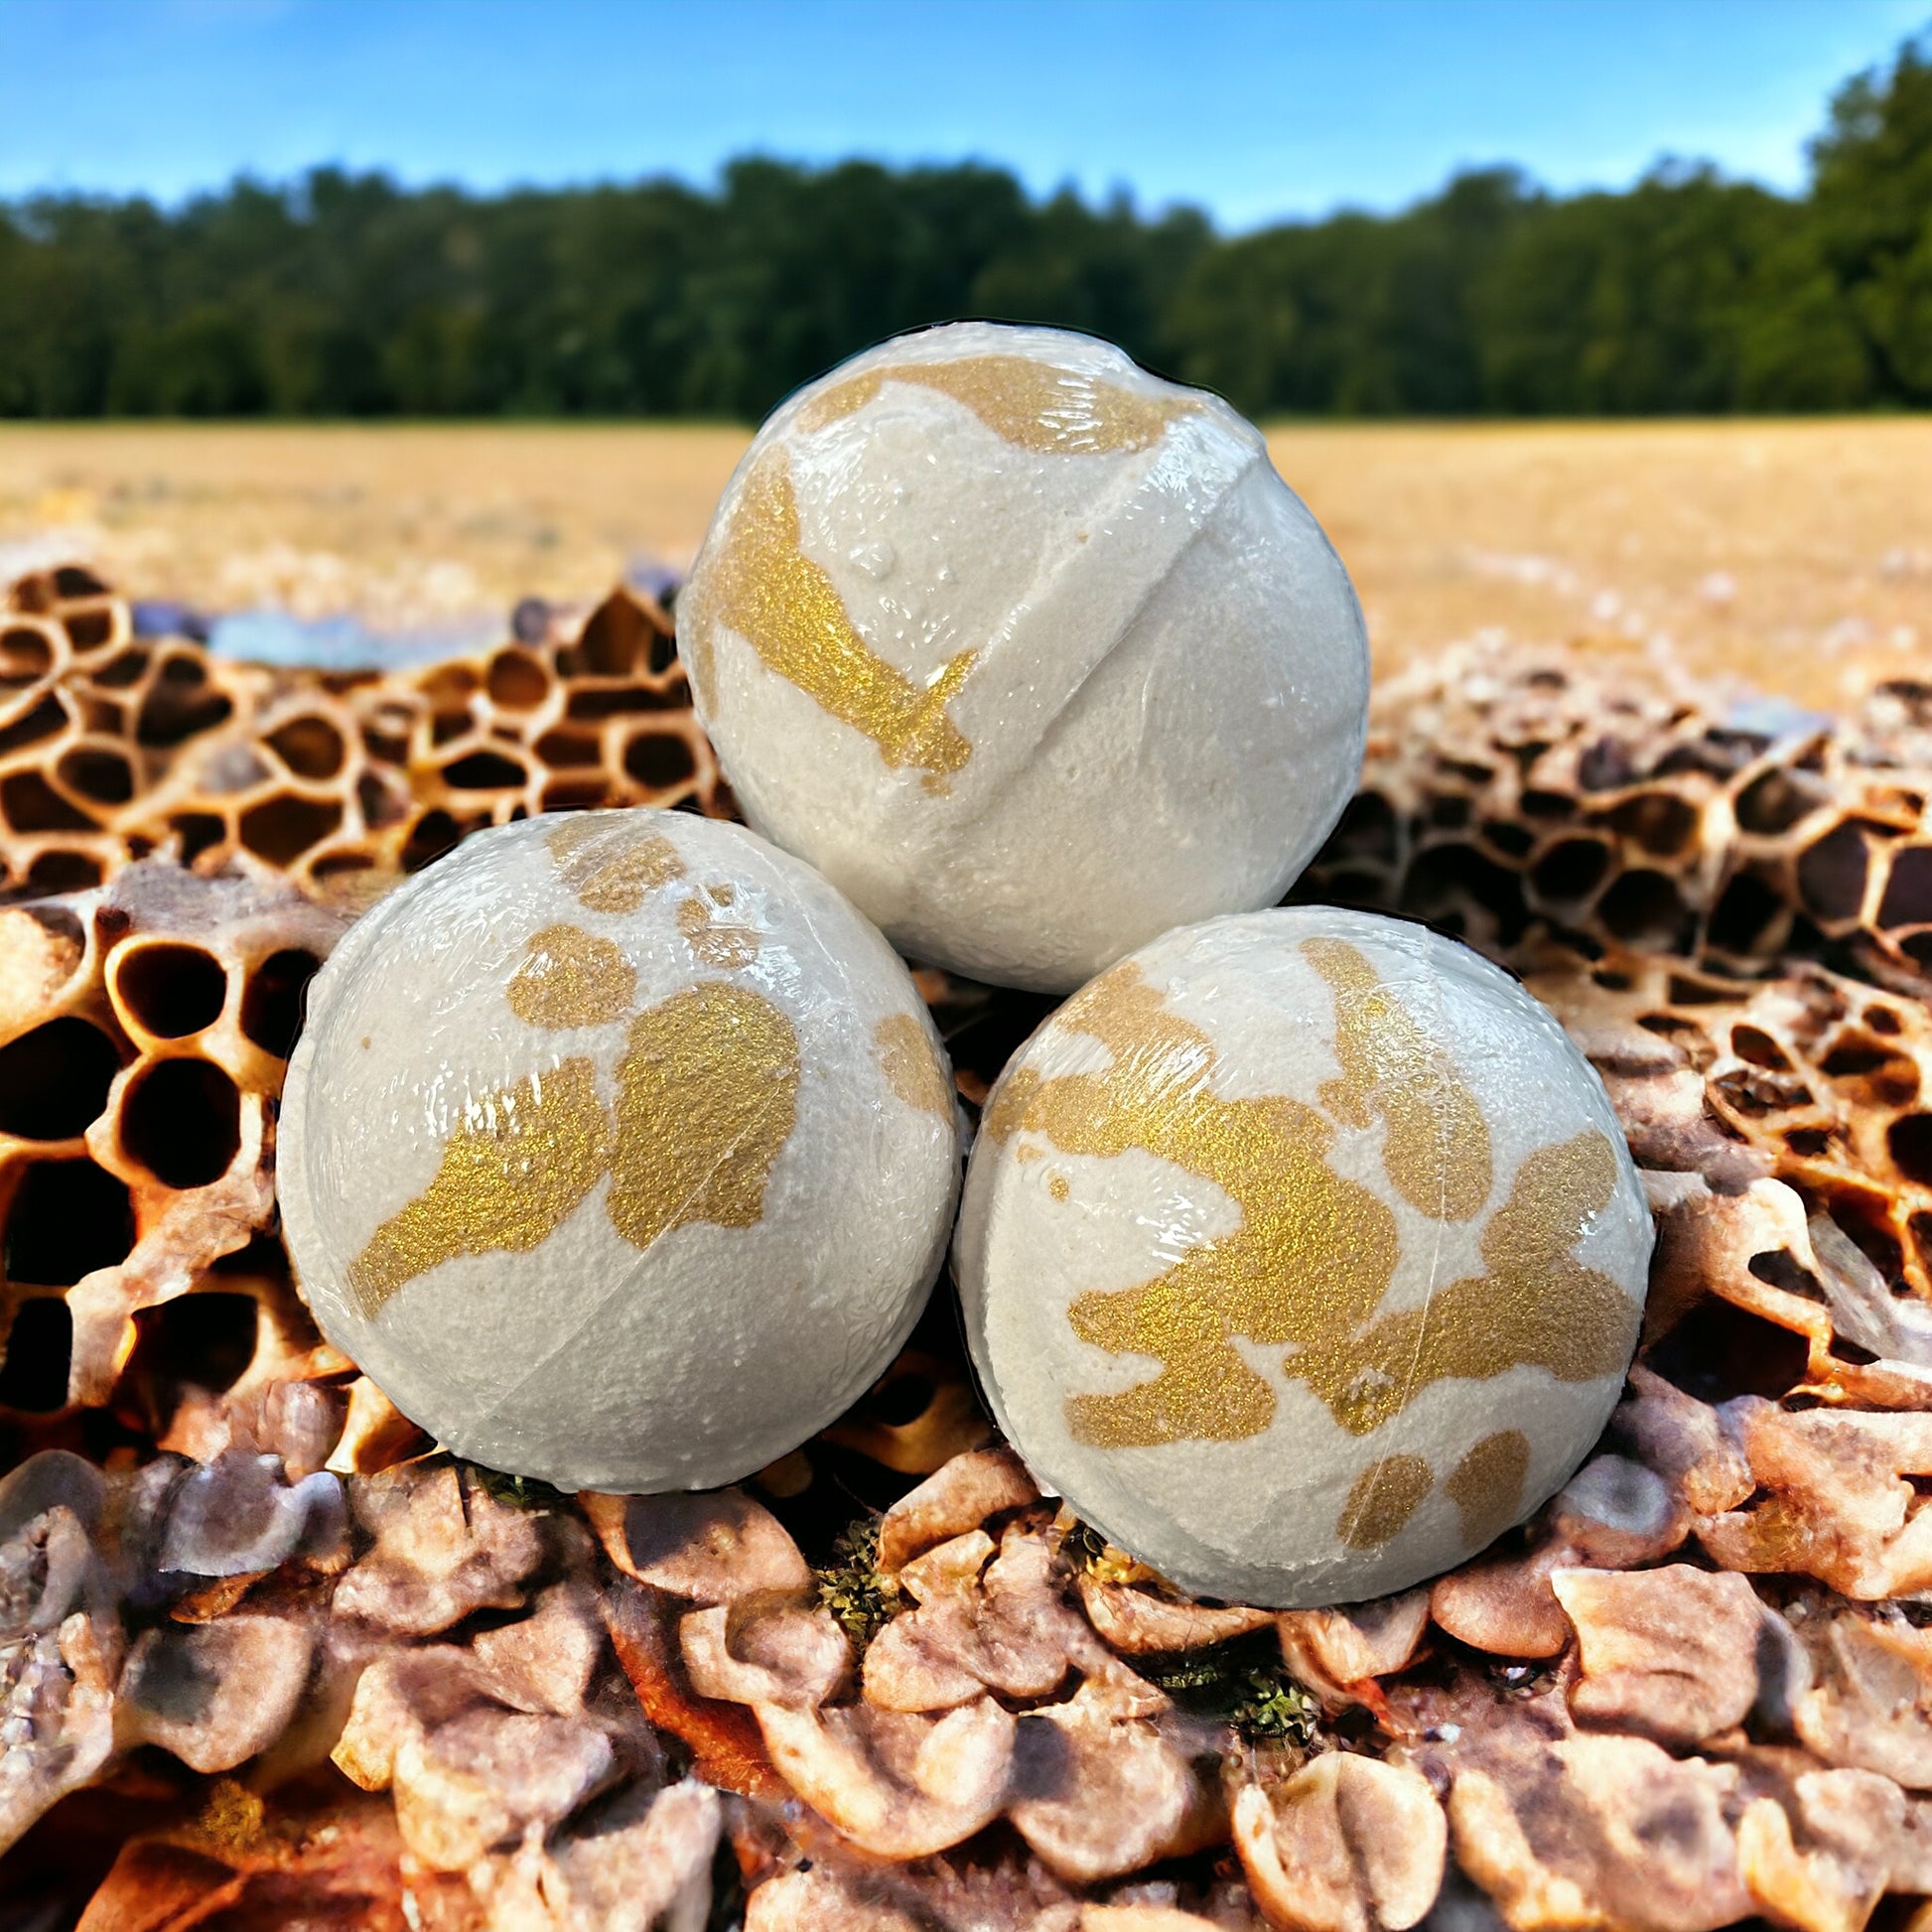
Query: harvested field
pixel 1798 555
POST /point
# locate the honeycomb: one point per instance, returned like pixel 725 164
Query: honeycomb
pixel 1513 801
pixel 268 1657
pixel 113 747
pixel 1811 1078
pixel 144 1028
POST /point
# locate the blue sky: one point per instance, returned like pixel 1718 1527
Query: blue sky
pixel 1251 108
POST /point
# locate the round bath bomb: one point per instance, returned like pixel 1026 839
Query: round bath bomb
pixel 1302 1254
pixel 1029 652
pixel 618 1151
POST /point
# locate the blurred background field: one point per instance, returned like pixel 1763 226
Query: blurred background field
pixel 420 320
pixel 1797 554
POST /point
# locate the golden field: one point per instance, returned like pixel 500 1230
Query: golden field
pixel 1796 554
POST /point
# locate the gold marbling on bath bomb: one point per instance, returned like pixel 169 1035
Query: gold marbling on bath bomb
pixel 1031 653
pixel 1303 1254
pixel 618 1150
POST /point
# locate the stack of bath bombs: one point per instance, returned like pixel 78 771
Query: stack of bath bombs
pixel 1300 1249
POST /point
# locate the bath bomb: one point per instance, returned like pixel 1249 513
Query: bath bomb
pixel 1032 654
pixel 1302 1254
pixel 618 1151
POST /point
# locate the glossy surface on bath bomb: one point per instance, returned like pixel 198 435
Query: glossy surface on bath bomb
pixel 1303 1254
pixel 1031 653
pixel 617 1150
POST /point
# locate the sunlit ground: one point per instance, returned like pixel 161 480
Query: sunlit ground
pixel 1796 554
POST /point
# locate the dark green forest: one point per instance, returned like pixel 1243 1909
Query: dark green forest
pixel 346 295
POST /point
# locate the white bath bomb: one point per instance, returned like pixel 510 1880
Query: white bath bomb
pixel 1303 1254
pixel 1029 652
pixel 618 1151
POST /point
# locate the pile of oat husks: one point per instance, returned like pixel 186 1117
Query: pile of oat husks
pixel 269 1659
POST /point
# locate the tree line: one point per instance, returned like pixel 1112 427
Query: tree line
pixel 347 295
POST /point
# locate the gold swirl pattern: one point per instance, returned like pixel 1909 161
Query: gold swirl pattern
pixel 906 1059
pixel 707 1096
pixel 1316 1252
pixel 707 1090
pixel 716 941
pixel 1024 402
pixel 510 1176
pixel 1487 1485
pixel 1436 1145
pixel 1537 1307
pixel 611 866
pixel 788 608
pixel 1383 1498
pixel 572 978
pixel 761 585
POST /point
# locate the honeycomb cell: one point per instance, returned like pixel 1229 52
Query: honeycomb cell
pixel 1908 888
pixel 31 804
pixel 1832 874
pixel 271 1003
pixel 1549 806
pixel 88 630
pixel 433 835
pixel 47 719
pixel 1366 832
pixel 66 1219
pixel 168 990
pixel 1910 1142
pixel 38 1347
pixel 1719 1350
pixel 1660 822
pixel 660 760
pixel 484 771
pixel 517 681
pixel 25 656
pixel 56 871
pixel 450 687
pixel 181 1120
pixel 1874 1069
pixel 198 832
pixel 310 748
pixel 283 827
pixel 569 748
pixel 128 668
pixel 573 794
pixel 1571 869
pixel 1443 875
pixel 181 704
pixel 1774 802
pixel 100 775
pixel 53 1081
pixel 1754 1044
pixel 616 641
pixel 1747 911
pixel 203 1340
pixel 599 701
